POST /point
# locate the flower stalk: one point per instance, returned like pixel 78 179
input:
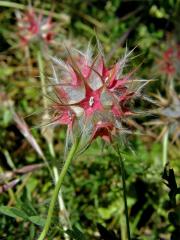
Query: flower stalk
pixel 165 148
pixel 124 192
pixel 57 189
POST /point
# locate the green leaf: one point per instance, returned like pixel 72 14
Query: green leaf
pixel 13 212
pixel 25 205
pixel 37 220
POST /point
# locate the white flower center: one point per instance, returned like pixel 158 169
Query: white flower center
pixel 91 101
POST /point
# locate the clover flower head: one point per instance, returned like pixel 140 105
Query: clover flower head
pixel 169 64
pixel 91 98
pixel 167 117
pixel 32 26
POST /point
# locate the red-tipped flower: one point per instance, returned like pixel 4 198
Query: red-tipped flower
pixel 90 97
pixel 170 61
pixel 32 27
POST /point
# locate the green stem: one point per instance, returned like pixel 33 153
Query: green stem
pixel 165 147
pixel 63 218
pixel 42 78
pixel 124 192
pixel 10 4
pixel 57 189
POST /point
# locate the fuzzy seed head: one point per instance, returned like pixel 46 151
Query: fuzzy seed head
pixel 33 27
pixel 90 97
